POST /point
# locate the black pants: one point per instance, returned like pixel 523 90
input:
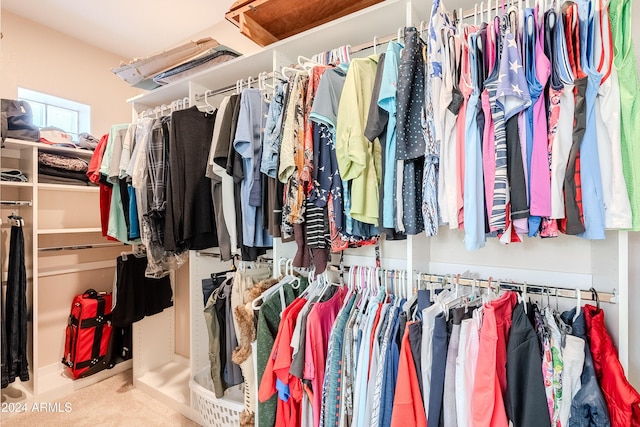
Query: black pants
pixel 14 326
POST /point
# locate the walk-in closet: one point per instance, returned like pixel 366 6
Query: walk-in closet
pixel 390 213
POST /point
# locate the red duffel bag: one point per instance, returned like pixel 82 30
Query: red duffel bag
pixel 88 339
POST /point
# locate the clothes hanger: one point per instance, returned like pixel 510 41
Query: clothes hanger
pixel 523 297
pixel 206 101
pixel 289 72
pixel 578 304
pixel 364 289
pixel 595 296
pixel 16 220
pixel 288 279
pixel 346 53
pixel 422 27
pixel 475 15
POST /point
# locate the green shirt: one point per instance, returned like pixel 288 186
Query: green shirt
pixel 268 323
pixel 359 160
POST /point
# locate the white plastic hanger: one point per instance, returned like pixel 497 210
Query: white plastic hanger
pixel 289 72
pixel 288 279
pixel 578 304
pixel 239 84
pixel 523 297
pixel 206 101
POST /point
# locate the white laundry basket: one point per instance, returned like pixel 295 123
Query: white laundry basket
pixel 223 412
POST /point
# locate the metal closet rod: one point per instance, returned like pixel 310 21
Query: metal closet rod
pixel 208 93
pixel 78 247
pixel 200 97
pixel 16 202
pixel 263 258
pixel 542 290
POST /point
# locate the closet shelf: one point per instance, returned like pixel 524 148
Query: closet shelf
pixel 18 144
pixel 53 380
pixel 17 184
pixel 62 187
pixel 85 266
pixel 381 19
pixel 169 384
pixel 17 392
pixel 70 230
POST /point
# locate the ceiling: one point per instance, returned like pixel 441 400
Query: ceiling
pixel 129 28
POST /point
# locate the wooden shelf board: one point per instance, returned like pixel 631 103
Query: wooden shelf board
pixel 68 269
pixel 69 230
pixel 62 187
pixel 16 184
pixel 18 144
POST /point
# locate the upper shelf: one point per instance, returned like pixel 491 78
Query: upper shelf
pixel 18 144
pixel 379 20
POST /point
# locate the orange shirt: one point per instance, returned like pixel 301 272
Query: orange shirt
pixel 408 409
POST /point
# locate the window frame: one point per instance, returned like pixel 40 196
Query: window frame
pixel 83 111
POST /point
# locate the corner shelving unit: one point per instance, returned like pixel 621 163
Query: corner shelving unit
pixel 60 215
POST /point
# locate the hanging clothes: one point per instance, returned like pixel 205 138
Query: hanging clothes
pixel 588 406
pixel 14 310
pixel 188 222
pixel 627 69
pixel 524 373
pixel 623 401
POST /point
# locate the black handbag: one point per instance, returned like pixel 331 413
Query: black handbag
pixel 19 121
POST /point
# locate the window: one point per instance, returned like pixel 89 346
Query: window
pixel 48 110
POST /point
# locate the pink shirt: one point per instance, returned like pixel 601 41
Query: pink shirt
pixel 319 323
pixel 540 204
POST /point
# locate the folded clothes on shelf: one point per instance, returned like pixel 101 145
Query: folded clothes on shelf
pixel 55 136
pixel 57 172
pixel 195 66
pixel 87 141
pixel 73 164
pixel 12 175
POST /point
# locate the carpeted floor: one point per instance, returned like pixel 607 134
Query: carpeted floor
pixel 113 402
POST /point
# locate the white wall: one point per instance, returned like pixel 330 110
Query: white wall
pixel 39 58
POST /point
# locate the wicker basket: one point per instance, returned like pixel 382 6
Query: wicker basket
pixel 224 412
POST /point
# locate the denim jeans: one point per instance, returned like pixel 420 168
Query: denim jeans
pixel 14 363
